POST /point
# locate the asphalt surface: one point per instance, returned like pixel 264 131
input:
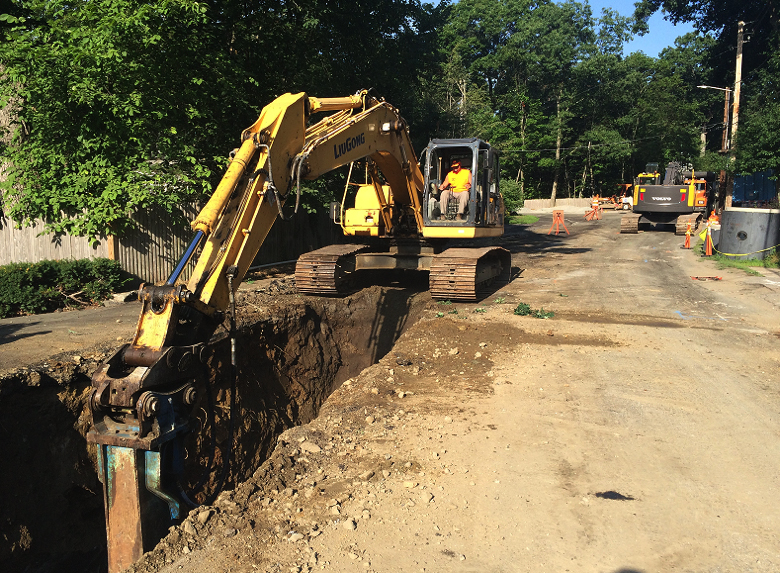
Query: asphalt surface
pixel 26 341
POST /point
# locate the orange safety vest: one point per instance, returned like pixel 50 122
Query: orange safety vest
pixel 458 181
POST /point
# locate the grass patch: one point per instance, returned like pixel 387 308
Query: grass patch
pixel 770 261
pixel 522 219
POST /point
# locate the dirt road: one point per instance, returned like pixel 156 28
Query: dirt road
pixel 635 431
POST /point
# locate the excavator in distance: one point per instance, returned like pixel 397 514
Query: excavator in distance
pixel 682 198
pixel 144 395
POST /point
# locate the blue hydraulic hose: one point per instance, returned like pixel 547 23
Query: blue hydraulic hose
pixel 185 259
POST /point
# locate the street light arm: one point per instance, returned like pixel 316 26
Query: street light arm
pixel 715 88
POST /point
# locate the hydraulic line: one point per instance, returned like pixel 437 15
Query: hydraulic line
pixel 231 273
pixel 185 258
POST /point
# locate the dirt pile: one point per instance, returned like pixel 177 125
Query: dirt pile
pixel 336 472
pixel 293 353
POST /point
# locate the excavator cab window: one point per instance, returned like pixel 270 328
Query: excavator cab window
pixel 439 161
pixel 492 201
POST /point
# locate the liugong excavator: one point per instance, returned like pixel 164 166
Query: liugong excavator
pixel 144 394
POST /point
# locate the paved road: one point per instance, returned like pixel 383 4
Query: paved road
pixel 29 340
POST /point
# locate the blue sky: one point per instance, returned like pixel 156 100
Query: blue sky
pixel 661 35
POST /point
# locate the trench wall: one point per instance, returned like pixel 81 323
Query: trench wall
pixel 293 353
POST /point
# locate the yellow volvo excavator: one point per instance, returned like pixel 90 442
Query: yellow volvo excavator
pixel 144 394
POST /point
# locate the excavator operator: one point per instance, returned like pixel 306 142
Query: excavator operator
pixel 457 183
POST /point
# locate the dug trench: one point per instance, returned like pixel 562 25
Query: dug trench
pixel 293 352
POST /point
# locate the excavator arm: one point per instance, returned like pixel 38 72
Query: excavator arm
pixel 144 394
pixel 379 133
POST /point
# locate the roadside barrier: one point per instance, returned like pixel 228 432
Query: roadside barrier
pixel 593 214
pixel 557 222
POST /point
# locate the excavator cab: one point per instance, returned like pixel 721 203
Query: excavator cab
pixel 485 206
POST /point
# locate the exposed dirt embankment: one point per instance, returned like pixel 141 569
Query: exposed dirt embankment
pixel 49 492
pixel 293 352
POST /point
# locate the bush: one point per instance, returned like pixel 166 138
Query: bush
pixel 33 288
pixel 513 195
pixel 524 309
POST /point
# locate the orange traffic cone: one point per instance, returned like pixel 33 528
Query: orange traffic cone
pixel 708 242
pixel 687 237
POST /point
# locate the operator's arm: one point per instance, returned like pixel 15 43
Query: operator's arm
pixel 446 183
pixel 468 181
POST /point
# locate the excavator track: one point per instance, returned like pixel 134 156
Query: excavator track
pixel 465 274
pixel 326 271
pixel 629 223
pixel 681 226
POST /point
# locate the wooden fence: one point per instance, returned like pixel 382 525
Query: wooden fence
pixel 29 246
pixel 150 253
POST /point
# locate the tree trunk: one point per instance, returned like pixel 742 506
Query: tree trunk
pixel 590 167
pixel 520 174
pixel 462 85
pixel 9 126
pixel 557 148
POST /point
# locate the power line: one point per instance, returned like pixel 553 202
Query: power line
pixel 591 146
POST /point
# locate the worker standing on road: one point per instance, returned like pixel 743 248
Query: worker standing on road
pixel 457 183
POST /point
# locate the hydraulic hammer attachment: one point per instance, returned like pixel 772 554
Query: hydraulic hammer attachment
pixel 141 402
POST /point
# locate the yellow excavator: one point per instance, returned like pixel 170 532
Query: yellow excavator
pixel 144 394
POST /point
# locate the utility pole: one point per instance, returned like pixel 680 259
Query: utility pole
pixel 724 144
pixel 703 146
pixel 737 86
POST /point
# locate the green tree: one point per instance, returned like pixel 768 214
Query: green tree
pixel 759 140
pixel 121 109
pixel 126 106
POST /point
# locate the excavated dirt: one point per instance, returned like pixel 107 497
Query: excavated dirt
pixel 634 431
pixel 292 354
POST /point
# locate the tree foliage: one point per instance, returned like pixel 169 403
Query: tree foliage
pixel 123 106
pixel 120 109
